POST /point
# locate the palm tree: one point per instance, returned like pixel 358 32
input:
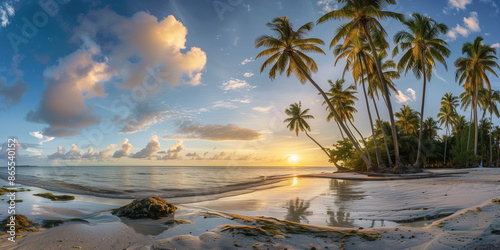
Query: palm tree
pixel 364 17
pixel 489 102
pixel 430 128
pixel 446 116
pixel 466 101
pixel 459 125
pixel 286 53
pixel 407 119
pixel 472 72
pixel 357 59
pixel 422 48
pixel 297 122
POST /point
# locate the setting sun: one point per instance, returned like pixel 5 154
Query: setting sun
pixel 293 158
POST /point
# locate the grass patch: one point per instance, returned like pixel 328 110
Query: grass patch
pixel 440 225
pixel 16 201
pixel 176 221
pixel 4 190
pixel 56 197
pixel 497 200
pixel 478 209
pixel 22 224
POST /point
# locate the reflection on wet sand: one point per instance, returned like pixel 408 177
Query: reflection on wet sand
pixel 297 210
pixel 147 226
pixel 344 193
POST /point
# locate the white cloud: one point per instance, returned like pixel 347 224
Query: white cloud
pixel 263 109
pixel 42 138
pixel 124 149
pixel 248 60
pixel 236 84
pixel 72 155
pixel 150 149
pixel 402 98
pixel 327 5
pixel 472 22
pixel 213 132
pixel 452 35
pixel 6 11
pixel 248 74
pixel 242 100
pixel 461 30
pixel 142 117
pixel 174 152
pixel 440 77
pixel 459 4
pixel 495 45
pixel 223 104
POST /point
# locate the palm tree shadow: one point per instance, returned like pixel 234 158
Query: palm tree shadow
pixel 297 210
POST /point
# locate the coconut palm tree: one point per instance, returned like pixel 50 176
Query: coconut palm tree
pixel 408 120
pixel 472 72
pixel 459 125
pixel 430 129
pixel 357 59
pixel 297 122
pixel 286 54
pixel 489 102
pixel 446 116
pixel 364 16
pixel 421 48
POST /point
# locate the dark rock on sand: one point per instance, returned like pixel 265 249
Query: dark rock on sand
pixel 152 207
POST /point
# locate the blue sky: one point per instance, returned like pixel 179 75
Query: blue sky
pixel 177 83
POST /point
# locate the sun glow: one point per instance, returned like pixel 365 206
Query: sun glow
pixel 293 159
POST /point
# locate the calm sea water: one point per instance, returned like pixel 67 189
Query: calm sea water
pixel 167 181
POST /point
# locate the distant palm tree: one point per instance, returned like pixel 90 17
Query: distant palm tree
pixel 407 119
pixel 489 102
pixel 297 122
pixel 472 72
pixel 430 128
pixel 466 102
pixel 286 54
pixel 422 48
pixel 459 125
pixel 446 116
pixel 364 16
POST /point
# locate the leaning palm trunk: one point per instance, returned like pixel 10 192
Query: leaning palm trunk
pixel 341 133
pixel 377 150
pixel 490 164
pixel 397 165
pixel 383 133
pixel 418 163
pixel 322 148
pixel 362 139
pixel 470 124
pixel 475 121
pixel 363 156
pixel 445 145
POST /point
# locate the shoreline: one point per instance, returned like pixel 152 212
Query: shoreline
pixel 424 198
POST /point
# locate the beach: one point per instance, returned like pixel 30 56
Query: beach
pixel 452 211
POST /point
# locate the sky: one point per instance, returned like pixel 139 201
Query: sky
pixel 87 82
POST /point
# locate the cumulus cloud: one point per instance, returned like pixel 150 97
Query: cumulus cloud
pixel 150 149
pixel 402 98
pixel 124 149
pixel 471 24
pixel 327 5
pixel 236 84
pixel 6 12
pixel 263 109
pixel 11 94
pixel 248 60
pixel 495 45
pixel 41 138
pixel 142 116
pixel 73 154
pixel 459 4
pixel 101 155
pixel 174 152
pixel 212 132
pixel 194 156
pixel 248 74
pixel 75 79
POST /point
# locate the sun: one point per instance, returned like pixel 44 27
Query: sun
pixel 293 158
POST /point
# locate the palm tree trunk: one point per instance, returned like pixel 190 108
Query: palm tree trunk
pixel 418 163
pixel 383 133
pixel 490 164
pixel 398 167
pixel 363 140
pixel 470 124
pixel 341 133
pixel 475 121
pixel 363 156
pixel 377 150
pixel 445 145
pixel 324 150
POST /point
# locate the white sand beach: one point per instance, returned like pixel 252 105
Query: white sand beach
pixel 453 212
